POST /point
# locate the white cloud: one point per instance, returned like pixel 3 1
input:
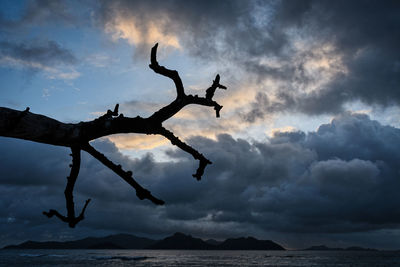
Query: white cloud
pixel 59 73
pixel 130 29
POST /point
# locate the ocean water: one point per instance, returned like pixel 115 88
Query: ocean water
pixel 196 258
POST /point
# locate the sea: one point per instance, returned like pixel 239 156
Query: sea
pixel 196 258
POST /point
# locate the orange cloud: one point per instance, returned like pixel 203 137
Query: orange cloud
pixel 136 33
pixel 134 141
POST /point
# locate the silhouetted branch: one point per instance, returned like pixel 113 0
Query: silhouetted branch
pixel 141 192
pixel 69 198
pixel 172 74
pixel 182 99
pixel 210 91
pixel 38 128
pixel 203 162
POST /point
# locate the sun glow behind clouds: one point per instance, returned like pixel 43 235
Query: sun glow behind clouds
pixel 134 141
pixel 319 65
pixel 130 29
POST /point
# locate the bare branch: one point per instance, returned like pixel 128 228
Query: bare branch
pixel 205 102
pixel 182 99
pixel 52 213
pixel 210 91
pixel 185 147
pixel 71 222
pixel 82 214
pixel 69 198
pixel 172 74
pixel 110 113
pixel 38 128
pixel 141 192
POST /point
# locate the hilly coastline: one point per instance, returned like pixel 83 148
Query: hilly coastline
pixel 175 241
pixel 120 241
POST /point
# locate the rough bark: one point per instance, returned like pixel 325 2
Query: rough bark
pixel 38 128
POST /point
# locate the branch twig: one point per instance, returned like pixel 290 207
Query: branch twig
pixel 141 192
pixel 172 74
pixel 203 162
pixel 69 198
pixel 38 128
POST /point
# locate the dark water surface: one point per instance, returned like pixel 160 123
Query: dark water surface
pixel 196 258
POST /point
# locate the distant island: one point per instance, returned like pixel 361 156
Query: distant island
pixel 179 241
pixel 120 241
pixel 176 241
pixel 182 241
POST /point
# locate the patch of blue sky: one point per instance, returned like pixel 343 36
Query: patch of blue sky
pixel 12 10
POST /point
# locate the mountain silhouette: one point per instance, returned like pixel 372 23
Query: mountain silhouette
pixel 181 241
pixel 175 241
pixel 249 243
pixel 120 241
pixel 213 242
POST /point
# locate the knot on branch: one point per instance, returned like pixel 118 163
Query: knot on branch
pixel 146 194
pixel 110 114
pixel 217 109
pixel 25 111
pixel 210 91
pixel 185 147
pixel 141 192
pixel 202 165
pixel 115 112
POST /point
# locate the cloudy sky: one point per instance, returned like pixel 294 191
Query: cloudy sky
pixel 306 151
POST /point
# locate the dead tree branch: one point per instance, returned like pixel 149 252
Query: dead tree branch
pixel 71 179
pixel 38 128
pixel 141 192
pixel 196 155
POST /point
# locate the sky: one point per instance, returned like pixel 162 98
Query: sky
pixel 306 151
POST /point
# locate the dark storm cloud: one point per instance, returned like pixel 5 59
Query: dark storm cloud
pixel 341 178
pixel 200 25
pixel 366 34
pixel 47 171
pixel 46 53
pixel 363 34
pixel 196 23
pixel 262 38
pixel 293 184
